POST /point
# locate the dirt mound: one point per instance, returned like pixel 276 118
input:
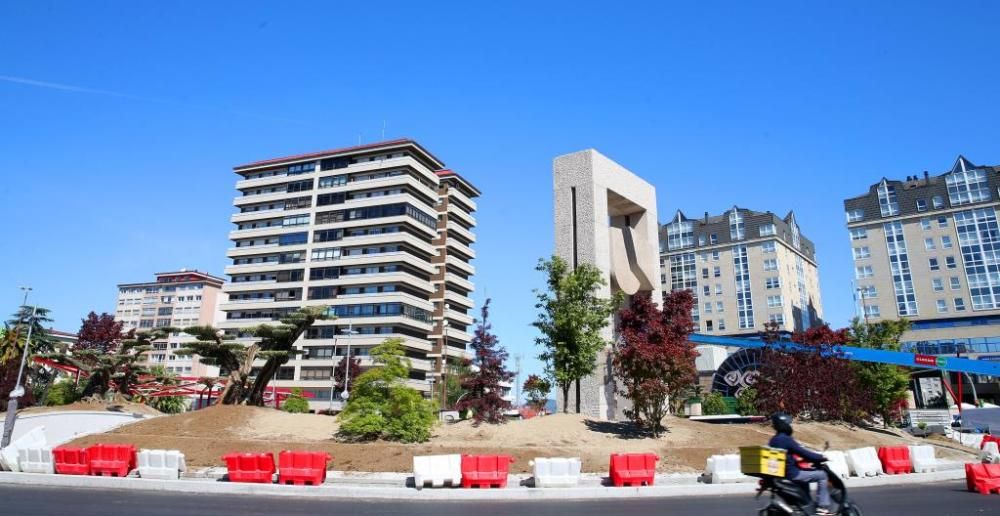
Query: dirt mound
pixel 206 435
pixel 117 406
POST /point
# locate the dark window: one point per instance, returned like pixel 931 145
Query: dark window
pixel 328 235
pixel 322 273
pixel 334 163
pixel 301 168
pixel 285 373
pixel 322 292
pixel 300 186
pixel 292 275
pixel 165 311
pixel 296 257
pixel 328 217
pixel 293 238
pixel 330 198
pixel 298 203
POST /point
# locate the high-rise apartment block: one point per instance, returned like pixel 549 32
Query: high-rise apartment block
pixel 381 234
pixel 928 249
pixel 176 299
pixel 745 268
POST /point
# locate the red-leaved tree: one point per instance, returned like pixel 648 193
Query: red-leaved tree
pixel 812 383
pixel 654 360
pixel 338 373
pixel 484 394
pixel 100 333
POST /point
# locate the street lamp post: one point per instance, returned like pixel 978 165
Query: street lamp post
pixel 444 362
pixel 333 369
pixel 8 425
pixel 347 365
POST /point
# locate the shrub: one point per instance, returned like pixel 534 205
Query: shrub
pixel 712 404
pixel 746 402
pixel 295 403
pixel 382 406
pixel 62 393
pixel 169 404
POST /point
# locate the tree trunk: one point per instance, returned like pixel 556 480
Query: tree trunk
pixel 565 390
pixel 232 394
pixel 577 395
pixel 264 377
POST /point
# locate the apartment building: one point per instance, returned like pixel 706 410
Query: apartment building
pixel 745 267
pixel 380 234
pixel 928 249
pixel 177 299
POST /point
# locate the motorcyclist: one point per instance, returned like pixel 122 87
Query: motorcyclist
pixel 782 424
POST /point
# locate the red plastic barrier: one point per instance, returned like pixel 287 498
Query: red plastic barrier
pixel 257 468
pixel 633 469
pixel 984 478
pixel 988 439
pixel 485 471
pixel 302 467
pixel 71 461
pixel 111 460
pixel 895 459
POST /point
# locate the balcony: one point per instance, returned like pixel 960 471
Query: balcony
pixel 244 200
pixel 458 299
pixel 462 198
pixel 456 228
pixel 457 280
pixel 251 249
pixel 460 265
pixel 461 248
pixel 461 214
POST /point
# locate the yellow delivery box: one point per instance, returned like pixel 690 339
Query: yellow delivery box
pixel 762 461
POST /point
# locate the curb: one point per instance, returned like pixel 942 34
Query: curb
pixel 333 491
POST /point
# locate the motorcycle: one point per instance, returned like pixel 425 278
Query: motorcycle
pixel 792 498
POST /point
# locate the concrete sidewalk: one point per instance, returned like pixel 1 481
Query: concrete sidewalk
pixel 379 488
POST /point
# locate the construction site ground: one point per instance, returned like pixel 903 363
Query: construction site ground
pixel 206 435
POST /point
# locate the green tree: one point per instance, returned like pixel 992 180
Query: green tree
pixel 887 383
pixel 62 392
pixel 458 371
pixel 713 404
pixel 116 368
pixel 570 319
pixel 746 402
pixel 382 406
pixel 536 389
pixel 275 345
pixel 295 403
pixel 166 404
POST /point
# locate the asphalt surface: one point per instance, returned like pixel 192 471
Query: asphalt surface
pixel 945 499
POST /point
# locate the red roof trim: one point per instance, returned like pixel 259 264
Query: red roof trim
pixel 296 157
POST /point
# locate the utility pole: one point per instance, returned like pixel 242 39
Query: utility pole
pixel 8 424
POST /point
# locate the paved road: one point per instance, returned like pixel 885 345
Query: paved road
pixel 948 499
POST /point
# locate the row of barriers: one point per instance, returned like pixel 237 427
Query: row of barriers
pixel 309 468
pixel 859 462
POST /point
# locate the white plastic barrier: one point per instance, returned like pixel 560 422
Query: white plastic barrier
pixel 437 470
pixel 36 460
pixel 161 464
pixel 556 471
pixel 990 453
pixel 971 440
pixel 721 469
pixel 923 459
pixel 837 462
pixel 33 439
pixel 864 462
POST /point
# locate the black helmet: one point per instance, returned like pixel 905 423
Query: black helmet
pixel 782 423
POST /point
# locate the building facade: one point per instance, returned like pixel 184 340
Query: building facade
pixel 177 299
pixel 746 268
pixel 380 234
pixel 928 249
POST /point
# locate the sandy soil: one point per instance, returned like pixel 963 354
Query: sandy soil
pixel 205 435
pixel 122 406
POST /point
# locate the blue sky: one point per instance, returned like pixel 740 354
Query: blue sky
pixel 121 120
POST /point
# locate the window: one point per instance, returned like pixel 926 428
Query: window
pixel 959 304
pixel 682 272
pixel 718 289
pixel 967 186
pixel 979 240
pixel 872 311
pixel 713 238
pixel 715 256
pixel 772 282
pixel 295 220
pixel 868 292
pixel 708 308
pixel 708 325
pixel 328 235
pixel 300 186
pixel 707 290
pixel 859 234
pixel 929 244
pixel 861 253
pixel 955 283
pixel 938 284
pixel 855 215
pixel 863 272
pixel 950 262
pixel 704 273
pixel 769 230
pixel 887 202
pixel 937 202
pixel 933 264
pixel 332 181
pixel 719 307
pixel 946 242
pixel 925 223
pixel 165 311
pixel 717 272
pixel 329 253
pixel 301 168
pixel 722 325
pixel 921 205
pixel 701 239
pixel 774 301
pixel 899 264
pixel 767 247
pixel 680 234
pixel 744 297
pixel 942 221
pixel 942 306
pixel 322 292
pixel 330 198
pixel 293 238
pixel 737 229
pixel 776 318
pixel 770 264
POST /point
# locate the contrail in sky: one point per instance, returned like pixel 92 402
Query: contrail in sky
pixel 79 89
